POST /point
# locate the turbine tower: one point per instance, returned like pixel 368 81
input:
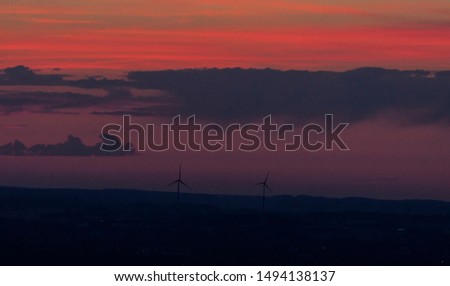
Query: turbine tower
pixel 178 182
pixel 265 186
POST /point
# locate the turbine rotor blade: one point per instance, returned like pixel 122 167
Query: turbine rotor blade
pixel 173 183
pixel 185 185
pixel 267 176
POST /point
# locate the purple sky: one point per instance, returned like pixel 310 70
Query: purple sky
pixel 386 160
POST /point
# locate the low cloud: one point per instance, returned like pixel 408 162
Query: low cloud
pixel 73 146
pixel 74 103
pixel 24 75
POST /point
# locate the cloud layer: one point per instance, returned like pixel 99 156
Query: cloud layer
pixel 73 146
pixel 419 96
pixel 416 97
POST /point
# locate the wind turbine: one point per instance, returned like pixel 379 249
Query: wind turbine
pixel 264 184
pixel 178 182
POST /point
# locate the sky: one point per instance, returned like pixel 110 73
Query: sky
pixel 285 34
pixel 70 50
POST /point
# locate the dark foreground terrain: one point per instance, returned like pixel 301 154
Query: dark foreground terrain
pixel 123 227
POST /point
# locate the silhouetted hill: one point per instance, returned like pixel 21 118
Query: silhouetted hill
pixel 129 227
pixel 281 204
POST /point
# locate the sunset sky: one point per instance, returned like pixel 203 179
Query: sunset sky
pixel 285 34
pixel 399 119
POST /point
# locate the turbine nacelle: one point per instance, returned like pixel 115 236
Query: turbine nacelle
pixel 264 183
pixel 180 182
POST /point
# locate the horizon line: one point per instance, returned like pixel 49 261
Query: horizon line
pixel 362 67
pixel 2 187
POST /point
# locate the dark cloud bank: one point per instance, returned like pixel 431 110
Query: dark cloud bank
pixel 355 95
pixel 73 146
pixel 415 97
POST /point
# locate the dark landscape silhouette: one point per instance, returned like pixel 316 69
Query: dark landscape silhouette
pixel 127 227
